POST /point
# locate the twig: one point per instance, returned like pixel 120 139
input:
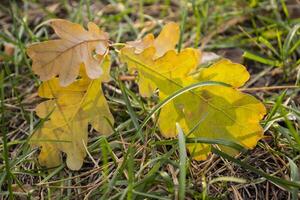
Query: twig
pixel 270 88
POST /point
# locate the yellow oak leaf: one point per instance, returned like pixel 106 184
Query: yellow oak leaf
pixel 64 56
pixel 212 112
pixel 68 112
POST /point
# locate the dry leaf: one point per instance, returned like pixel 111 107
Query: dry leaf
pixel 69 111
pixel 64 56
pixel 9 50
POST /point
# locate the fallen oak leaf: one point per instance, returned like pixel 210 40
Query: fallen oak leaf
pixel 213 112
pixel 68 112
pixel 64 56
pixel 216 112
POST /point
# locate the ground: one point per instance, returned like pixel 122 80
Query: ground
pixel 263 35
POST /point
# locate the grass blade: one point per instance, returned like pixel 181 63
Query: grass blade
pixel 182 162
pixel 260 59
pixel 129 107
pixel 294 177
pixel 288 41
pixel 217 141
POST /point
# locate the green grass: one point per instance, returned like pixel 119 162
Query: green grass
pixel 136 162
